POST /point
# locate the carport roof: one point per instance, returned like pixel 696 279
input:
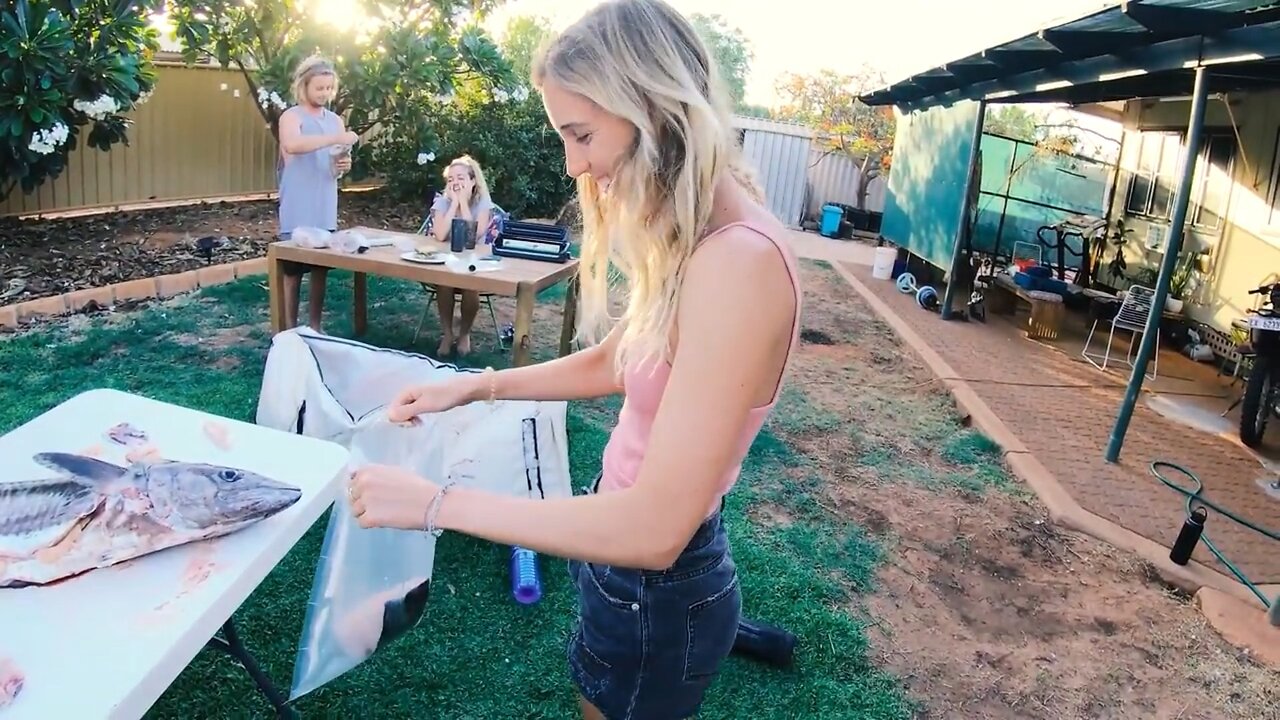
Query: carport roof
pixel 1133 49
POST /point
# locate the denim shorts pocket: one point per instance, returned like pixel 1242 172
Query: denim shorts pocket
pixel 615 587
pixel 611 618
pixel 712 629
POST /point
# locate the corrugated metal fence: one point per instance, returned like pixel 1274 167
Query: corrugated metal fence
pixel 780 153
pixel 211 142
pixel 833 178
pixel 798 176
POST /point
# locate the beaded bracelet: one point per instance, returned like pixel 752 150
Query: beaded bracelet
pixel 493 385
pixel 434 509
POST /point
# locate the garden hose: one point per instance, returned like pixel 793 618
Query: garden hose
pixel 1194 524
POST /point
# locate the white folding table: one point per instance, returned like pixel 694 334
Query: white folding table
pixel 106 644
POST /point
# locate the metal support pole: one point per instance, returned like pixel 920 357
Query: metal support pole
pixel 1195 125
pixel 964 212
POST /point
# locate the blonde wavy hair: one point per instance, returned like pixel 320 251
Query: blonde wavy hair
pixel 314 66
pixel 642 61
pixel 481 189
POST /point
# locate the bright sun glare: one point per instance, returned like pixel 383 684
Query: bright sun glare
pixel 338 13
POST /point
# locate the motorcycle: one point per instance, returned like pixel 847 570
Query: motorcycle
pixel 1260 392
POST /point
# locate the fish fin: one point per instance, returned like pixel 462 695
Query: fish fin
pixel 95 471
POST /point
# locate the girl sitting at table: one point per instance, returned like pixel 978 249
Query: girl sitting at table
pixel 466 196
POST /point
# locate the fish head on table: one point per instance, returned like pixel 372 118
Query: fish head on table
pixel 96 514
pixel 199 496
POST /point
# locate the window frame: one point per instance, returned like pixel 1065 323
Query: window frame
pixel 1200 185
pixel 1273 198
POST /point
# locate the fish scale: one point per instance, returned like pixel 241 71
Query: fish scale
pixel 38 513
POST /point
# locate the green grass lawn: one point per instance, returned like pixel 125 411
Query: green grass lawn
pixel 477 654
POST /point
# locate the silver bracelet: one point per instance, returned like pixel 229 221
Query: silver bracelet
pixel 434 509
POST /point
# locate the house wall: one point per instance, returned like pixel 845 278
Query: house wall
pixel 1244 251
pixel 210 143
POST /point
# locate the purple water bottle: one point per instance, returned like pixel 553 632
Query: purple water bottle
pixel 526 585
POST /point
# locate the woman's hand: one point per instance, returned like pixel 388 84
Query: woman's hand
pixel 347 138
pixel 343 164
pixel 423 399
pixel 391 497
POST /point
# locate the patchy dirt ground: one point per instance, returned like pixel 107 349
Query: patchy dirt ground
pixel 39 258
pixel 984 607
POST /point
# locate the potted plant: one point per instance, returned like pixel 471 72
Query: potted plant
pixel 1178 282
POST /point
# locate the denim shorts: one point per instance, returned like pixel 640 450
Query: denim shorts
pixel 649 643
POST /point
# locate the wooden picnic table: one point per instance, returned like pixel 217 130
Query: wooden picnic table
pixel 517 277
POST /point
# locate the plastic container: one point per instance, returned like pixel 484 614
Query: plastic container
pixel 526 585
pixel 882 267
pixel 831 217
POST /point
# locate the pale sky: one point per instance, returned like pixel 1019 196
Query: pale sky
pixel 900 37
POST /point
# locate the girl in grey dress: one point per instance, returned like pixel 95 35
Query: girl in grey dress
pixel 314 151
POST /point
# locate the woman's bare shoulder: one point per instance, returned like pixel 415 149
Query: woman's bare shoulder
pixel 744 263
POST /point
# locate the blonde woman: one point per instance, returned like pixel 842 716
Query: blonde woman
pixel 700 352
pixel 466 196
pixel 308 173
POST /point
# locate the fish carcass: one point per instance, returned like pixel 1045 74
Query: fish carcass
pixel 98 514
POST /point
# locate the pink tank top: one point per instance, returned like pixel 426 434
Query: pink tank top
pixel 643 390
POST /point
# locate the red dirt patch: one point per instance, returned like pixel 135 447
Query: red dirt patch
pixel 985 608
pixel 40 258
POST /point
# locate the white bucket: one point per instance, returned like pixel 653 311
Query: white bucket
pixel 882 268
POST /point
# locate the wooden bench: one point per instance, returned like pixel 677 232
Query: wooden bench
pixel 1047 309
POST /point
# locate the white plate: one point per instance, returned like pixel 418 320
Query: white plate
pixel 434 258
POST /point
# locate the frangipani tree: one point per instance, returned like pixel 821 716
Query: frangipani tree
pixel 391 56
pixel 64 65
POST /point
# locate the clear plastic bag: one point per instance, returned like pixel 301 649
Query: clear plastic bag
pixel 371 584
pixel 351 242
pixel 311 237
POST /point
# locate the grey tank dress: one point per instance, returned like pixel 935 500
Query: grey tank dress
pixel 308 189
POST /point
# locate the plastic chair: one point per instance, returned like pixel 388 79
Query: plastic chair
pixel 1132 316
pixel 499 216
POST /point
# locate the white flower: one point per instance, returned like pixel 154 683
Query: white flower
pixel 46 141
pixel 426 157
pixel 267 98
pixel 98 109
pixel 143 98
pixel 445 97
pixel 501 95
pixel 521 94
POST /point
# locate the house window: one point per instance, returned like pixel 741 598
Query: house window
pixel 1155 182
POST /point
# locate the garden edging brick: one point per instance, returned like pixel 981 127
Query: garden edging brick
pixel 159 287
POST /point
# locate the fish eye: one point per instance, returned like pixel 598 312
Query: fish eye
pixel 229 475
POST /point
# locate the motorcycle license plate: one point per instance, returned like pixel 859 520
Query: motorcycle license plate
pixel 1265 323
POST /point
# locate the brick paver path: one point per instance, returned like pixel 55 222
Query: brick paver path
pixel 1067 429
